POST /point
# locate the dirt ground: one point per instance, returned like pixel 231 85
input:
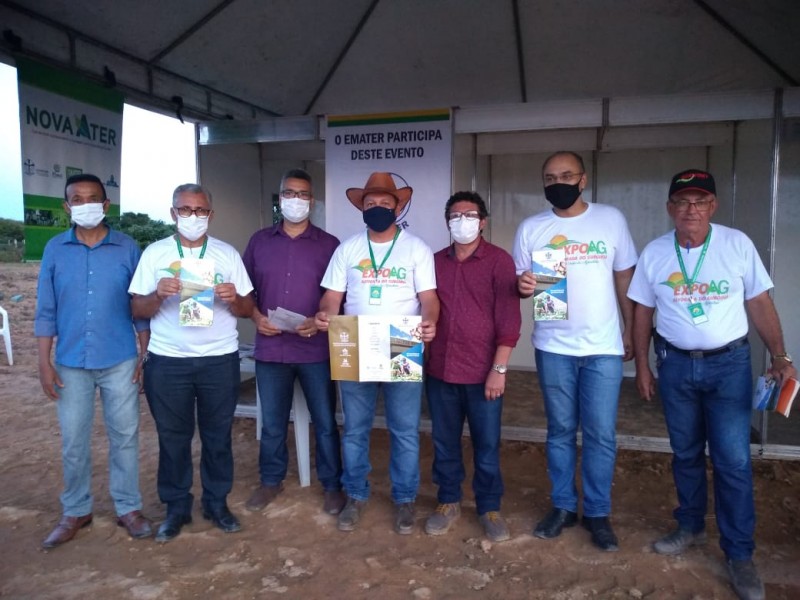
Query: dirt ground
pixel 293 550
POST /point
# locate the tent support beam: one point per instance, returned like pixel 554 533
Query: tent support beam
pixel 191 31
pixel 341 56
pixel 746 42
pixel 73 35
pixel 520 56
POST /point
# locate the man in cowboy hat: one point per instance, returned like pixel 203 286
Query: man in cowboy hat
pixel 399 280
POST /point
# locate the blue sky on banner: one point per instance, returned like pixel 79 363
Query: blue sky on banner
pixel 158 154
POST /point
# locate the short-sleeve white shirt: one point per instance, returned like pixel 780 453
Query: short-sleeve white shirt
pixel 730 274
pixel 597 243
pixel 167 337
pixel 407 271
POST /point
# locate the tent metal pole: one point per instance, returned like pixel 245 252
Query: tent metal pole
pixel 520 56
pixel 745 41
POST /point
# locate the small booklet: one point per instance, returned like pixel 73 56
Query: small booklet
pixel 787 395
pixel 196 308
pixel 549 265
pixel 764 393
pixel 376 348
pixel 768 396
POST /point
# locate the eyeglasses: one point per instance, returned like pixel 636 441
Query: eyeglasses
pixel 471 215
pixel 77 201
pixel 700 205
pixel 567 177
pixel 185 211
pixel 289 194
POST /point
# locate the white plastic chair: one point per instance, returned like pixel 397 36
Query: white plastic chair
pixel 5 330
pixel 301 419
pixel 300 416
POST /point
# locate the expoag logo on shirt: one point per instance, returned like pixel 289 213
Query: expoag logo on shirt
pixel 577 250
pixel 386 273
pixel 711 291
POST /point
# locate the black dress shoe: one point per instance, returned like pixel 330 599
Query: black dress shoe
pixel 223 518
pixel 554 522
pixel 602 535
pixel 171 527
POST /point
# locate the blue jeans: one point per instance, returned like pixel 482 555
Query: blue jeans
pixel 402 404
pixel 120 398
pixel 581 390
pixel 450 404
pixel 176 388
pixel 709 400
pixel 276 390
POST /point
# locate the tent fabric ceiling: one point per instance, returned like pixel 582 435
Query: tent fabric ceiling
pixel 252 58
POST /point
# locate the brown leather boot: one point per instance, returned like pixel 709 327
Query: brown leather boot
pixel 263 496
pixel 66 529
pixel 136 523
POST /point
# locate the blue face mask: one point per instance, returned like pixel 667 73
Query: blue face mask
pixel 379 218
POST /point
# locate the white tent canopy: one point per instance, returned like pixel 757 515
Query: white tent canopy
pixel 249 58
pixel 642 88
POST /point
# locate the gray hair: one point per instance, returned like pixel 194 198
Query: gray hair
pixel 191 188
pixel 296 174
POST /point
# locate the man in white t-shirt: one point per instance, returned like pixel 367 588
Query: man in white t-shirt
pixel 192 287
pixel 579 359
pixel 383 271
pixel 704 280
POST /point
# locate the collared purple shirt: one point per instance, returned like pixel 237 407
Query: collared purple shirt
pixel 286 272
pixel 479 312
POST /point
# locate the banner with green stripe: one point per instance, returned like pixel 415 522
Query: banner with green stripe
pixel 68 125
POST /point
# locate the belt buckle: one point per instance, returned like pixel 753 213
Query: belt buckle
pixel 696 353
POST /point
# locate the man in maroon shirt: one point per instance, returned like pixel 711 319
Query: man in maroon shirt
pixel 478 327
pixel 286 263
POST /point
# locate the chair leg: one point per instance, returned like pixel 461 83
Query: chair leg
pixel 302 419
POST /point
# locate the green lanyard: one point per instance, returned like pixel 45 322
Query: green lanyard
pixel 375 266
pixel 202 250
pixel 690 282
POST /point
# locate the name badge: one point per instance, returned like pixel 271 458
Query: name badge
pixel 375 295
pixel 697 313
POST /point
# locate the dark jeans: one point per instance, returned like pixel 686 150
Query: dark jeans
pixel 708 400
pixel 276 390
pixel 176 388
pixel 580 391
pixel 450 404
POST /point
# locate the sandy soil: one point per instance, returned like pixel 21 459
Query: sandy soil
pixel 292 549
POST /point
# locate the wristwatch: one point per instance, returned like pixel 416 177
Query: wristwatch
pixel 785 356
pixel 502 369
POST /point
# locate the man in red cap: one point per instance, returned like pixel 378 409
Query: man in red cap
pixel 399 279
pixel 705 280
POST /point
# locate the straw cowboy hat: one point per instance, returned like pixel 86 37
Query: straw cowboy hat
pixel 380 183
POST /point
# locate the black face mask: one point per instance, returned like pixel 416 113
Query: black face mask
pixel 562 195
pixel 379 218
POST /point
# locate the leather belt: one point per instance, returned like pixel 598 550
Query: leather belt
pixel 706 353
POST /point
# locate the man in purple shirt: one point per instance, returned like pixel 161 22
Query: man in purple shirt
pixel 286 263
pixel 478 327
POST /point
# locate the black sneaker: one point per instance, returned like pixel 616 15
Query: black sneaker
pixel 554 522
pixel 351 514
pixel 602 535
pixel 404 518
pixel 745 580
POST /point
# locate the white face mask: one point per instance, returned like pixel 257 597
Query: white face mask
pixel 295 209
pixel 87 215
pixel 192 227
pixel 465 231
